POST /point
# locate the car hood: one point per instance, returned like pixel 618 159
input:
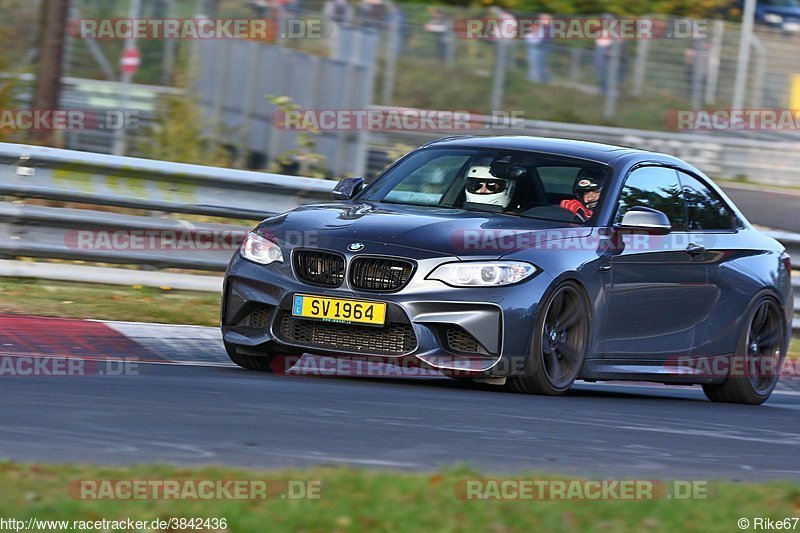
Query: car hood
pixel 412 231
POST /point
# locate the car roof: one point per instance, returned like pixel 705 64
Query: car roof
pixel 599 152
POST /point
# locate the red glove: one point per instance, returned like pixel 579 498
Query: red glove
pixel 577 208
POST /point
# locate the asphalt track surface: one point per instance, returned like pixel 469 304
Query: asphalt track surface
pixel 198 409
pixel 771 208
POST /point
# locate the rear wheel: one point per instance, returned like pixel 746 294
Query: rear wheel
pixel 559 345
pixel 758 357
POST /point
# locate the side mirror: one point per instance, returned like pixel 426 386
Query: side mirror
pixel 646 220
pixel 347 188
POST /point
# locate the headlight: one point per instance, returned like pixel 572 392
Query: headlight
pixel 260 250
pixel 772 18
pixel 482 274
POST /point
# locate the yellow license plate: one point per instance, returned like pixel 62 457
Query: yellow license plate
pixel 339 310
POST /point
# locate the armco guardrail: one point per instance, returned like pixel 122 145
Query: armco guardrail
pixel 84 235
pixel 796 321
pixel 792 243
pixel 68 176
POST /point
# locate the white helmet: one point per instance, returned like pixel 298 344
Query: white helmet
pixel 496 191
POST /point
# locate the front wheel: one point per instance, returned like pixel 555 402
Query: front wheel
pixel 756 366
pixel 559 345
pixel 249 362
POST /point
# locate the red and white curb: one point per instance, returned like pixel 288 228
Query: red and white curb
pixel 149 343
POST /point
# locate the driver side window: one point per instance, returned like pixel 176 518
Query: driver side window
pixel 656 188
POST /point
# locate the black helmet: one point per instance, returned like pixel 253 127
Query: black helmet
pixel 588 180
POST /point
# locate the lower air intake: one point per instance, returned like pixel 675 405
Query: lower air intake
pixel 391 339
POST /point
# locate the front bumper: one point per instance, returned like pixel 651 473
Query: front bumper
pixel 474 331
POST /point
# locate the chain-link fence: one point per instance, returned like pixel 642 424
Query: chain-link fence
pixel 425 61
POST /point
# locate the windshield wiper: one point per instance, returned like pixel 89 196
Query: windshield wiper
pixel 407 203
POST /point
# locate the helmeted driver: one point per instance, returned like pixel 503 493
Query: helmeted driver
pixel 484 188
pixel 587 190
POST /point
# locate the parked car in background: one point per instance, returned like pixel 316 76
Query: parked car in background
pixel 781 14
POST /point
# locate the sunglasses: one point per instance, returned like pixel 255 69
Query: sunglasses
pixel 474 186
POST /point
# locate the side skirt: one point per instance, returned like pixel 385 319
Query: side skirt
pixel 681 371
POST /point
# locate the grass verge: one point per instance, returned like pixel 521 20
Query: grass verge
pixel 356 500
pixel 108 302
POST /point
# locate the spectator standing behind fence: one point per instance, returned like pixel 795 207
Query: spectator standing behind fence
pixel 508 34
pixel 398 19
pixel 442 27
pixel 275 12
pixel 537 48
pixel 263 8
pixel 605 46
pixel 373 14
pixel 695 58
pixel 507 23
pixel 338 13
pixel 602 59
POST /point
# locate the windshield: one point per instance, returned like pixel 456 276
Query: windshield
pixel 526 184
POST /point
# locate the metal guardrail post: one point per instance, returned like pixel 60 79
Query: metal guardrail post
pixel 714 60
pixel 390 61
pixel 611 89
pixel 760 74
pixel 640 67
pixel 501 53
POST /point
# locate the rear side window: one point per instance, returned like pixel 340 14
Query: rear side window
pixel 656 188
pixel 558 180
pixel 706 209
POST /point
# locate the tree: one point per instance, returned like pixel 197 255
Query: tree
pixel 53 25
pixel 179 133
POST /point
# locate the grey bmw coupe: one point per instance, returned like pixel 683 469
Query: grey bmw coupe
pixel 525 262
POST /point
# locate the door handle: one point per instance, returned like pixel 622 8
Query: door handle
pixel 695 249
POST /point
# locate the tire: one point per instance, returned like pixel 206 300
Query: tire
pixel 559 345
pixel 249 362
pixel 761 344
